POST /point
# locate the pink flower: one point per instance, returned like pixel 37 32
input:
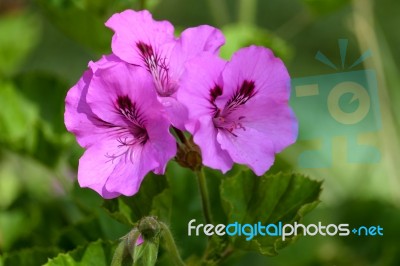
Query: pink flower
pixel 239 111
pixel 114 113
pixel 151 44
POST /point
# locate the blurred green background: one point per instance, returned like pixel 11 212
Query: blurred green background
pixel 45 45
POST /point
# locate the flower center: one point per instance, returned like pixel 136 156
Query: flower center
pixel 159 69
pixel 230 116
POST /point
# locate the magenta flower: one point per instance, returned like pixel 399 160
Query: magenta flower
pixel 238 111
pixel 114 113
pixel 151 44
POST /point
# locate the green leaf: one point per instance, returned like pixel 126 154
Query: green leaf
pixel 47 92
pixel 154 198
pixel 214 179
pixel 31 122
pixel 83 25
pixel 81 233
pixel 19 35
pixel 50 135
pixel 83 20
pixel 323 7
pixel 239 35
pixel 97 253
pixel 17 117
pixel 10 186
pixel 249 199
pixel 28 257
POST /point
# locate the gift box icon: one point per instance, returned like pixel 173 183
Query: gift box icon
pixel 339 104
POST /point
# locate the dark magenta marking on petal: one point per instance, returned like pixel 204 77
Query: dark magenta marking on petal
pixel 223 118
pixel 145 50
pixel 125 103
pixel 130 132
pixel 247 89
pixel 244 93
pixel 215 92
pixel 158 67
pixel 129 111
pixel 151 58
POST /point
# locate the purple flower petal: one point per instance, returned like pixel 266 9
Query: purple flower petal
pixel 212 154
pixel 130 171
pixel 274 120
pixel 257 64
pixel 95 168
pixel 78 117
pixel 175 111
pixel 125 80
pixel 248 147
pixel 162 145
pixel 199 39
pixel 114 112
pixel 193 42
pixel 243 105
pixel 203 74
pixel 133 28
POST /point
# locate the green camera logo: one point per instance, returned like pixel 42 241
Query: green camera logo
pixel 338 104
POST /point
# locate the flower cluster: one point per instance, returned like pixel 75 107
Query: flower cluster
pixel 122 108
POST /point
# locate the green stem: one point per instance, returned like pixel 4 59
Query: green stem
pixel 247 11
pixel 364 24
pixel 170 245
pixel 126 246
pixel 201 179
pixel 295 25
pixel 219 11
pixel 226 253
pixel 142 4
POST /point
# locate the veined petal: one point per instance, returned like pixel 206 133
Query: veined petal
pixel 276 121
pixel 248 147
pixel 139 161
pixel 95 167
pixel 256 121
pixel 133 27
pixel 130 171
pixel 79 118
pixel 127 124
pixel 259 65
pixel 202 76
pixel 119 79
pixel 212 154
pixel 249 108
pixel 161 144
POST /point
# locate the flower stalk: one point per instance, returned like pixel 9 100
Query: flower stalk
pixel 189 156
pixel 205 200
pixel 171 246
pixel 142 4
